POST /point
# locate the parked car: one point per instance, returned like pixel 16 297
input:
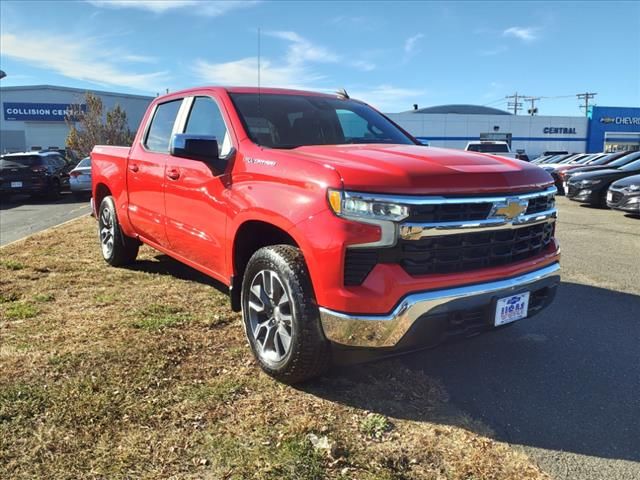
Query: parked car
pixel 328 222
pixel 80 178
pixel 625 195
pixel 575 162
pixel 492 147
pixel 592 187
pixel 610 161
pixel 33 173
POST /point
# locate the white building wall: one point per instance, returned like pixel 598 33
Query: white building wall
pixel 528 133
pixel 47 134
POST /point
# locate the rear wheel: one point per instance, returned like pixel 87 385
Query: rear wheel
pixel 117 249
pixel 280 315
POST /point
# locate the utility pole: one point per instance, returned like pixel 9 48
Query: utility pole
pixel 586 97
pixel 515 104
pixel 533 110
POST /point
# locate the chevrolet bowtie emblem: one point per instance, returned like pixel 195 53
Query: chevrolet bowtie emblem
pixel 510 209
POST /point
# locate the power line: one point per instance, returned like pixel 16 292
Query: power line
pixel 533 110
pixel 515 104
pixel 586 96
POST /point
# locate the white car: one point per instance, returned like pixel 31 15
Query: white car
pixel 493 147
pixel 80 178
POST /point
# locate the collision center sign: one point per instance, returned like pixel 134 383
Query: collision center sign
pixel 41 112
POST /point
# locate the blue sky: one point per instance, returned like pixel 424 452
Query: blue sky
pixel 391 54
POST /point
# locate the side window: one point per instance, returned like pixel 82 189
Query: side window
pixel 159 134
pixel 205 118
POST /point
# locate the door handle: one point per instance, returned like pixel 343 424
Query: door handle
pixel 134 167
pixel 173 174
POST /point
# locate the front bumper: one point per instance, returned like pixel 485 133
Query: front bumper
pixel 417 311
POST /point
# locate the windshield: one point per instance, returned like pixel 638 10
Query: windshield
pixel 635 165
pixel 488 148
pixel 24 160
pixel 290 121
pixel 624 160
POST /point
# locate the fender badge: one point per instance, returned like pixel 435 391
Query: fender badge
pixel 258 161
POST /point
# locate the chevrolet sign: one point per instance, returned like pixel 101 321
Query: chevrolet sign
pixel 621 120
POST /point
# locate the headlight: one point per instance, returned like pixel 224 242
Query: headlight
pixel 588 183
pixel 358 205
pixel 633 188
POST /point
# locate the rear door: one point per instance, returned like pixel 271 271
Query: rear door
pixel 146 174
pixel 196 194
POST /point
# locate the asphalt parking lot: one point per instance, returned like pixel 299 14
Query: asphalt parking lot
pixel 22 215
pixel 565 385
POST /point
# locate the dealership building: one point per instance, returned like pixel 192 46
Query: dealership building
pixel 33 117
pixel 452 126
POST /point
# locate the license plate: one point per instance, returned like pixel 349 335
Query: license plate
pixel 566 187
pixel 512 308
pixel 16 184
pixel 609 197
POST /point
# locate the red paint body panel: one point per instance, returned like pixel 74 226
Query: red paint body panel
pixel 184 209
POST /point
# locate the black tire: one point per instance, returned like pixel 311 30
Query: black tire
pixel 122 250
pixel 309 353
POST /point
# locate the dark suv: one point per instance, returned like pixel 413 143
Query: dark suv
pixel 33 173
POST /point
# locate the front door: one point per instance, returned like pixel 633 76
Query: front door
pixel 196 194
pixel 146 175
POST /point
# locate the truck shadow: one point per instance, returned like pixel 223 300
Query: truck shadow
pixel 568 379
pixel 165 265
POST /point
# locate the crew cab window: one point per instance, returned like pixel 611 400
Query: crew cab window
pixel 159 134
pixel 205 118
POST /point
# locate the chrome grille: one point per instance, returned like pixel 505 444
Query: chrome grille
pixel 460 234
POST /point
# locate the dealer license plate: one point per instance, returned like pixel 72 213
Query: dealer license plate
pixel 609 197
pixel 16 184
pixel 512 308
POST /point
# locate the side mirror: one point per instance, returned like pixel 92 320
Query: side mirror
pixel 195 147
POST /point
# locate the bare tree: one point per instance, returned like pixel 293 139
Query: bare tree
pixel 90 126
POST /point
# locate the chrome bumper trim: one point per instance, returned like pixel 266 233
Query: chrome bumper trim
pixel 388 330
pixel 416 231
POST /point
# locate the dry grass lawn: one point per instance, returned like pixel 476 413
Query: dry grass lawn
pixel 144 373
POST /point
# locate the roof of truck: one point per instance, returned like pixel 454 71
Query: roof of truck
pixel 261 90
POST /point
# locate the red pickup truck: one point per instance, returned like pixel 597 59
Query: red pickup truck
pixel 329 223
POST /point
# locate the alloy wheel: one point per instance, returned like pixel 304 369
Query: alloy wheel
pixel 270 316
pixel 107 232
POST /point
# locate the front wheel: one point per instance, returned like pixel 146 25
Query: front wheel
pixel 117 249
pixel 281 318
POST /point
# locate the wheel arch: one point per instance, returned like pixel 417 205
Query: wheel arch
pixel 251 236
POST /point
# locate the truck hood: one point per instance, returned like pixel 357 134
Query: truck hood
pixel 413 169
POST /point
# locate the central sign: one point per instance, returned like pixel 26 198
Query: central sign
pixel 39 112
pixel 561 130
